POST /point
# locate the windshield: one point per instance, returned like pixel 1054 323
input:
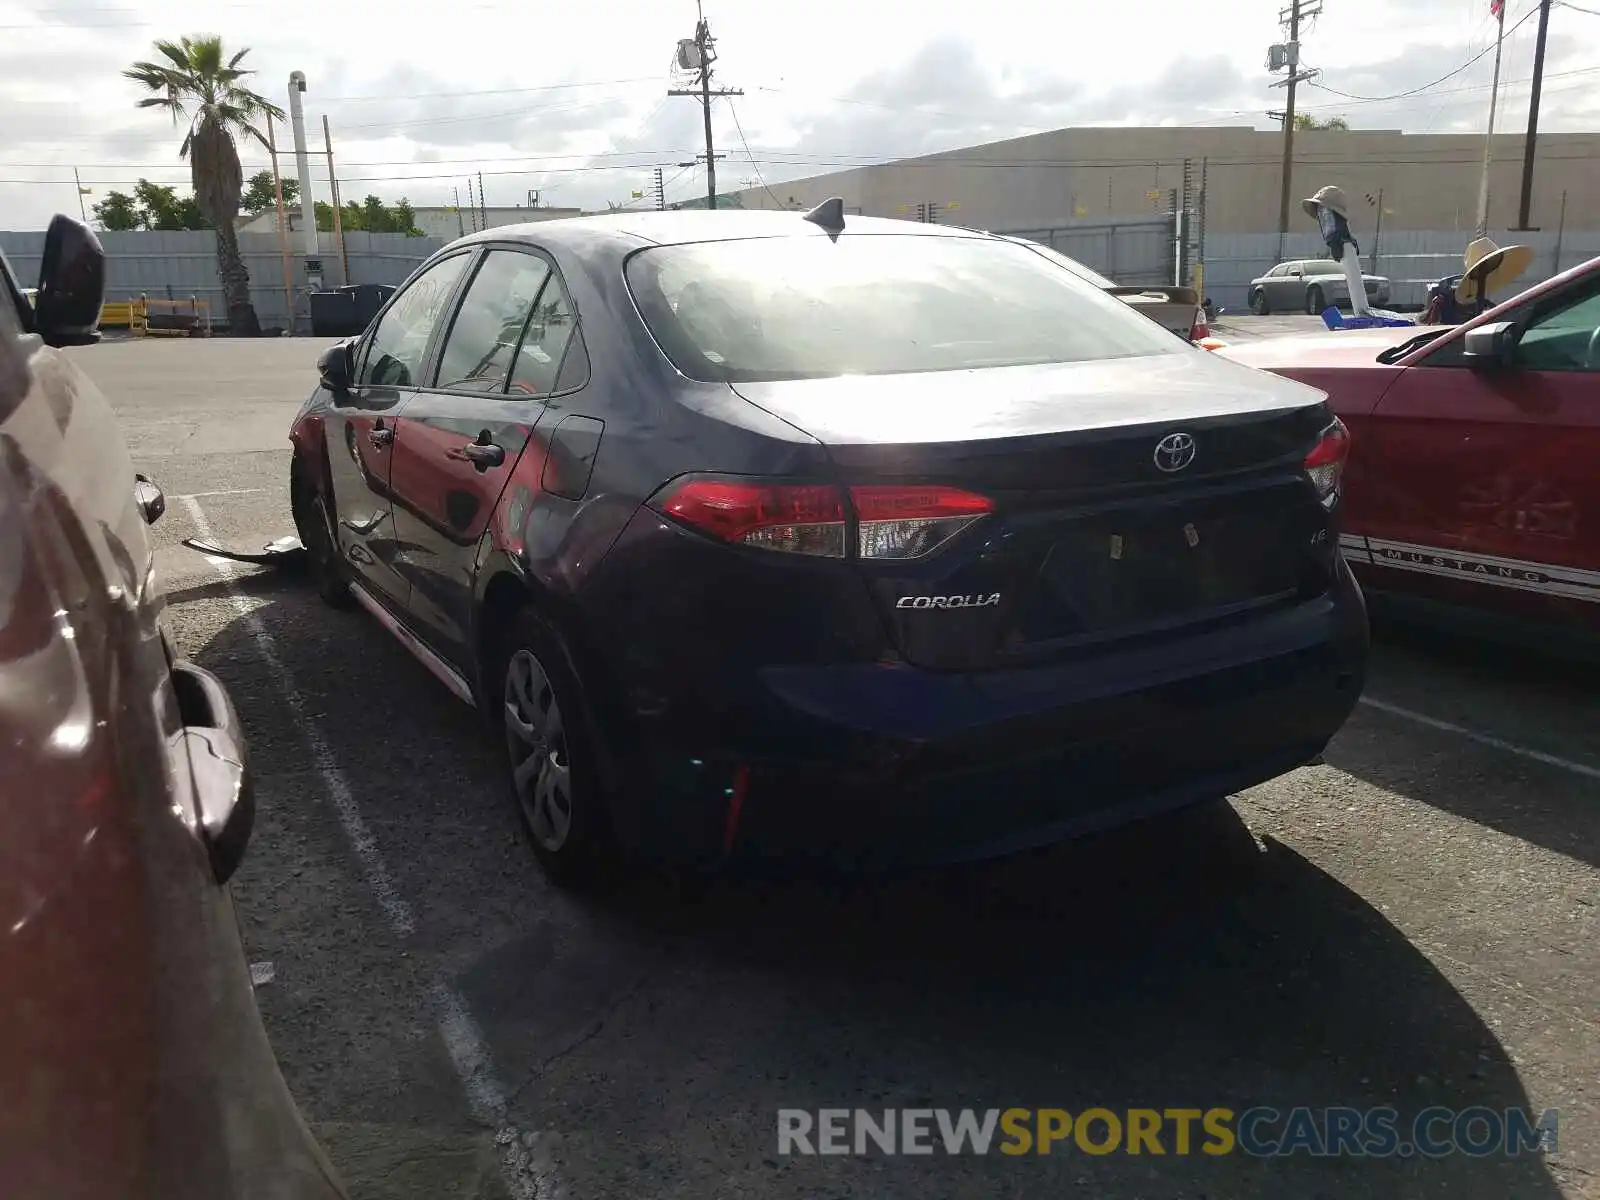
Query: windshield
pixel 810 307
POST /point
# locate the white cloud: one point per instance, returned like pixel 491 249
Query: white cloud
pixel 570 100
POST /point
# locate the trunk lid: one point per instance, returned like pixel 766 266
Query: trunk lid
pixel 1089 540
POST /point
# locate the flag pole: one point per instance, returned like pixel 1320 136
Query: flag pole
pixel 1482 227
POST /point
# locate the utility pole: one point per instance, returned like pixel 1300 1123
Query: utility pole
pixel 698 53
pixel 1533 117
pixel 1482 225
pixel 483 202
pixel 82 192
pixel 333 189
pixel 1377 203
pixel 660 191
pixel 472 205
pixel 461 230
pixel 283 226
pixel 1278 57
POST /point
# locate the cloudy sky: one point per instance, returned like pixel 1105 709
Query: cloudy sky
pixel 570 99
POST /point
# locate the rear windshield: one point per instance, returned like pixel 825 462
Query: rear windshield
pixel 1070 264
pixel 1324 266
pixel 810 307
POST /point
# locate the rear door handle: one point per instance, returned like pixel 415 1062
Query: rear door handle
pixel 483 455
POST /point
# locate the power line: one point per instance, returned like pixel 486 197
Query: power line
pixel 758 159
pixel 262 5
pixel 468 118
pixel 759 178
pixel 1484 53
pixel 547 87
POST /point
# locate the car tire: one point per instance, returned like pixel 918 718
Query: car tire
pixel 1258 302
pixel 316 535
pixel 550 754
pixel 1315 303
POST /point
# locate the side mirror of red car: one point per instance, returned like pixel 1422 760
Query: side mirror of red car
pixel 1490 345
pixel 335 369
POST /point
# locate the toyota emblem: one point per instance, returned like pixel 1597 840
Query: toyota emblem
pixel 1174 452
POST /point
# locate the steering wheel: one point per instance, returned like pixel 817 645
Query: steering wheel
pixel 1591 356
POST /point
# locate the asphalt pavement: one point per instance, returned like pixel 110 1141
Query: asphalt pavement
pixel 1415 923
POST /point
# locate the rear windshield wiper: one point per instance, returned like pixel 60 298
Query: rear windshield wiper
pixel 1396 353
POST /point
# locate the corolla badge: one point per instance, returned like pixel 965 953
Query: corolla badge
pixel 947 601
pixel 1174 452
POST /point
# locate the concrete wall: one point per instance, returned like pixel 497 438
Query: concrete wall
pixel 1429 181
pixel 179 264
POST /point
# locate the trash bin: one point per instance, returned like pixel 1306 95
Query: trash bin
pixel 346 311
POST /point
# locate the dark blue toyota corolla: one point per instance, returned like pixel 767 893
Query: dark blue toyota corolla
pixel 764 535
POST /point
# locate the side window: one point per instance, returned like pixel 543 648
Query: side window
pixel 1567 339
pixel 400 342
pixel 552 325
pixel 1279 271
pixel 483 339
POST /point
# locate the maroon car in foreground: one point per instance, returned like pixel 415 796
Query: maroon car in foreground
pixel 1472 495
pixel 133 1062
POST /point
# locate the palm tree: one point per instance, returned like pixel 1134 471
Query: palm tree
pixel 197 84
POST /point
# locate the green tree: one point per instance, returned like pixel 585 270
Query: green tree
pixel 376 217
pixel 405 219
pixel 160 207
pixel 117 212
pixel 197 83
pixel 1305 121
pixel 261 196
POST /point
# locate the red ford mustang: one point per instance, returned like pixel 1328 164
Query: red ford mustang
pixel 1473 488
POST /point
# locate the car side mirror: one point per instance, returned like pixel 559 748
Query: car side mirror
pixel 152 501
pixel 1488 346
pixel 72 285
pixel 335 368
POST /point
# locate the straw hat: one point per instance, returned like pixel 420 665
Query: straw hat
pixel 1490 267
pixel 1327 197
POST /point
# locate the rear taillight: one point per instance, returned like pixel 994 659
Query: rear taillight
pixel 801 519
pixel 891 522
pixel 1325 463
pixel 1200 329
pixel 908 522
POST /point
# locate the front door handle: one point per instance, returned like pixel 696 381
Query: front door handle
pixel 380 435
pixel 483 453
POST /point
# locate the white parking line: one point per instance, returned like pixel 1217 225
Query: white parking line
pixel 224 492
pixel 1483 739
pixel 524 1165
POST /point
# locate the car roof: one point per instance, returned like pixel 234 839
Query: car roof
pixel 699 225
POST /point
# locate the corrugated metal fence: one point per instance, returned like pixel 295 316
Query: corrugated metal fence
pixel 1411 259
pixel 174 265
pixel 177 265
pixel 1131 250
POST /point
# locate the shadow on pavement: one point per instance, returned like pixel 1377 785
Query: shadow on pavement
pixel 1167 966
pixel 1544 805
pixel 652 1033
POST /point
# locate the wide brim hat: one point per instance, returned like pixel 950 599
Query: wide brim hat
pixel 1331 197
pixel 1490 267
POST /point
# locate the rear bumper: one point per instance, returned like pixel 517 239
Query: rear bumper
pixel 881 763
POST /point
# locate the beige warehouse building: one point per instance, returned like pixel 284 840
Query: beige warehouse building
pixel 1429 181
